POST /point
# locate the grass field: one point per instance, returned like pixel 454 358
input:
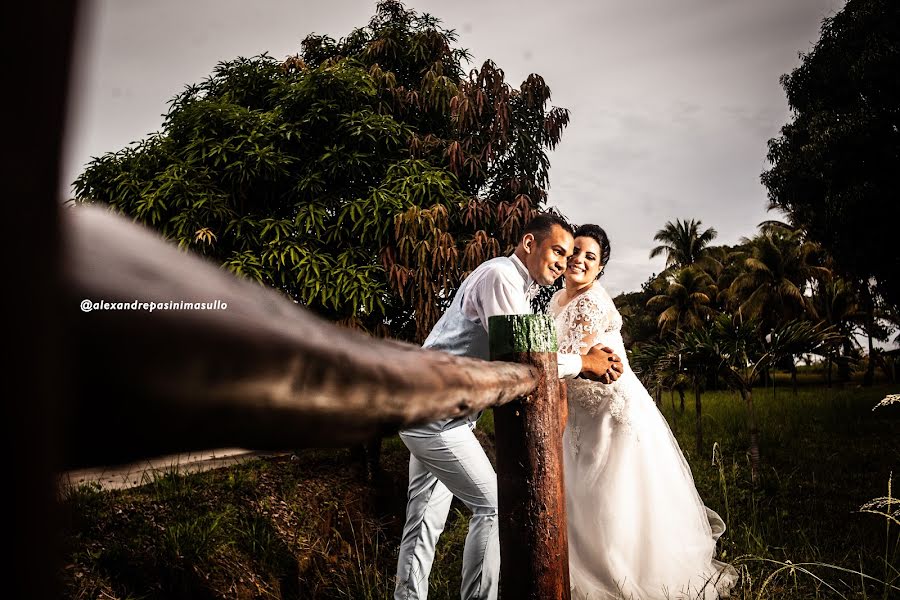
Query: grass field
pixel 310 527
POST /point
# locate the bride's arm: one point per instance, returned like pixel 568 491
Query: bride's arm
pixel 587 321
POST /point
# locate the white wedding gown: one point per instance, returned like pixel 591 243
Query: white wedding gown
pixel 637 527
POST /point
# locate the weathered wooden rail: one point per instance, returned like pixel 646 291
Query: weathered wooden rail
pixel 260 373
pixel 111 385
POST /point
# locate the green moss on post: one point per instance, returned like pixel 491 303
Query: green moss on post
pixel 513 334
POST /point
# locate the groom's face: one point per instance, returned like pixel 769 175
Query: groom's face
pixel 546 256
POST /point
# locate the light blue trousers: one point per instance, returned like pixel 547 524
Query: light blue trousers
pixel 443 465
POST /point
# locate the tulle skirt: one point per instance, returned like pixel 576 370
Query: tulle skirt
pixel 637 526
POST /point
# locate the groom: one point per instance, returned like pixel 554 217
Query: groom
pixel 446 459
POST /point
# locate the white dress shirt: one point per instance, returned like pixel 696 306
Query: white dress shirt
pixel 504 292
pixel 500 286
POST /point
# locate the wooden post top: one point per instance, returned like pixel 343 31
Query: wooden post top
pixel 513 334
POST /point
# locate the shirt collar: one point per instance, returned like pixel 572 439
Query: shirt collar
pixel 529 287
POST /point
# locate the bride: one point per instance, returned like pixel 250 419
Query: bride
pixel 637 527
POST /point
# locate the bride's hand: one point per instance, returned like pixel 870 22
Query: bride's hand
pixel 601 364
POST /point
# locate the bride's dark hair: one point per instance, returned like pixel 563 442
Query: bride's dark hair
pixel 596 232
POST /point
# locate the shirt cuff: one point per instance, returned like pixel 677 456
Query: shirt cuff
pixel 568 365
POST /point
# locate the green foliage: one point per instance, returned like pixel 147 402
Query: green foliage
pixel 773 280
pixel 736 314
pixel 653 363
pixel 639 324
pixel 192 541
pixel 834 165
pixel 741 348
pixel 363 177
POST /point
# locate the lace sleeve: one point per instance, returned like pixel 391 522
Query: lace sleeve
pixel 584 321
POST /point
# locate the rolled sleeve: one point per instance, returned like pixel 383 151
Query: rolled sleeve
pixel 568 365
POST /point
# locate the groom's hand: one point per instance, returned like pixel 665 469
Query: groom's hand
pixel 601 364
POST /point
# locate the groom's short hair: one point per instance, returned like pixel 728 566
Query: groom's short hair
pixel 541 225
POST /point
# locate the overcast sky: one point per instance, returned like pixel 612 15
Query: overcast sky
pixel 672 102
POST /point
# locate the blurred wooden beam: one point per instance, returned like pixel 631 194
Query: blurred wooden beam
pixel 262 373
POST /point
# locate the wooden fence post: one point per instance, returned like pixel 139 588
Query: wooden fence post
pixel 534 554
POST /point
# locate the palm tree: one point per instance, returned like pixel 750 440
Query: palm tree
pixel 686 303
pixel 774 226
pixel 723 264
pixel 682 242
pixel 838 305
pixel 778 270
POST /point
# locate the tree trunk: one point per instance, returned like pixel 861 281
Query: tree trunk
pixel 828 371
pixel 367 459
pixel 869 305
pixel 681 395
pixel 658 396
pixel 844 365
pixel 747 395
pixel 870 368
pixel 773 385
pixel 699 408
pixel 794 379
pixel 672 399
pixel 712 381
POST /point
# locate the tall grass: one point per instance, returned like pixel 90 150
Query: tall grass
pixel 818 526
pixel 802 534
